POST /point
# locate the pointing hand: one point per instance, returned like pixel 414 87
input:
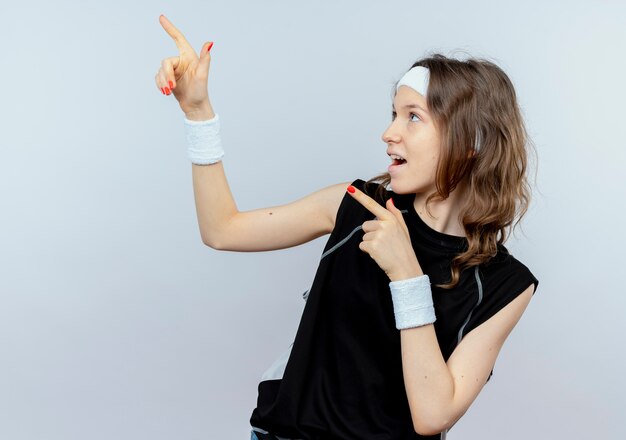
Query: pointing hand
pixel 186 75
pixel 387 238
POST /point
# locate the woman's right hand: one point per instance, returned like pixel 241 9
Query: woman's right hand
pixel 186 75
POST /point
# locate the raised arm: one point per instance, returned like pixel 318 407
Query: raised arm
pixel 221 225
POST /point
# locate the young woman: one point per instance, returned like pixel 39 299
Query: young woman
pixel 415 292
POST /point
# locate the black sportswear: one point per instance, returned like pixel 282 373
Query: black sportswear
pixel 342 379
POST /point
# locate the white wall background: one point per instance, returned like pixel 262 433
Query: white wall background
pixel 116 322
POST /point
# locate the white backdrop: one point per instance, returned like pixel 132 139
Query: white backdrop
pixel 116 322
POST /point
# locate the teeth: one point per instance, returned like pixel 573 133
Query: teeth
pixel 393 156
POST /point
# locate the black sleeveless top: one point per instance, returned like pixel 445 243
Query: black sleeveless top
pixel 342 378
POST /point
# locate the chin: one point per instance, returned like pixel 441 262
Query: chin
pixel 395 184
pixel 403 188
pixel 397 187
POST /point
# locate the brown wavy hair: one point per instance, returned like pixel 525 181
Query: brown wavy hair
pixel 473 101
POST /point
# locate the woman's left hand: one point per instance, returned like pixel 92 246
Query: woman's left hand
pixel 387 239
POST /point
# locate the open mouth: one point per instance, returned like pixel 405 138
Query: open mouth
pixel 396 162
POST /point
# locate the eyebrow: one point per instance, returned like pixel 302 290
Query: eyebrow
pixel 410 106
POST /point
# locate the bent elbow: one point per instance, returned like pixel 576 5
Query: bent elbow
pixel 427 429
pixel 212 243
pixel 428 432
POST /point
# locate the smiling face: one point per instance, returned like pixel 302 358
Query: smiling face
pixel 412 135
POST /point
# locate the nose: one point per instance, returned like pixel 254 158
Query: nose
pixel 390 134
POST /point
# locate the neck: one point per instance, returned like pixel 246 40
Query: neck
pixel 445 213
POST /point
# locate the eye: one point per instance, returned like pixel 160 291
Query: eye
pixel 394 114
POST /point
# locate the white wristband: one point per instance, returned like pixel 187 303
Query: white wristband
pixel 412 302
pixel 204 143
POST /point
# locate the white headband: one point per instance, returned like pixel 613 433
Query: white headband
pixel 416 78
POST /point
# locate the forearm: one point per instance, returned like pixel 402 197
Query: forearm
pixel 215 204
pixel 214 201
pixel 427 379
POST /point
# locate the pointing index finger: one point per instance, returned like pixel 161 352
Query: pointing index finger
pixel 370 204
pixel 180 40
